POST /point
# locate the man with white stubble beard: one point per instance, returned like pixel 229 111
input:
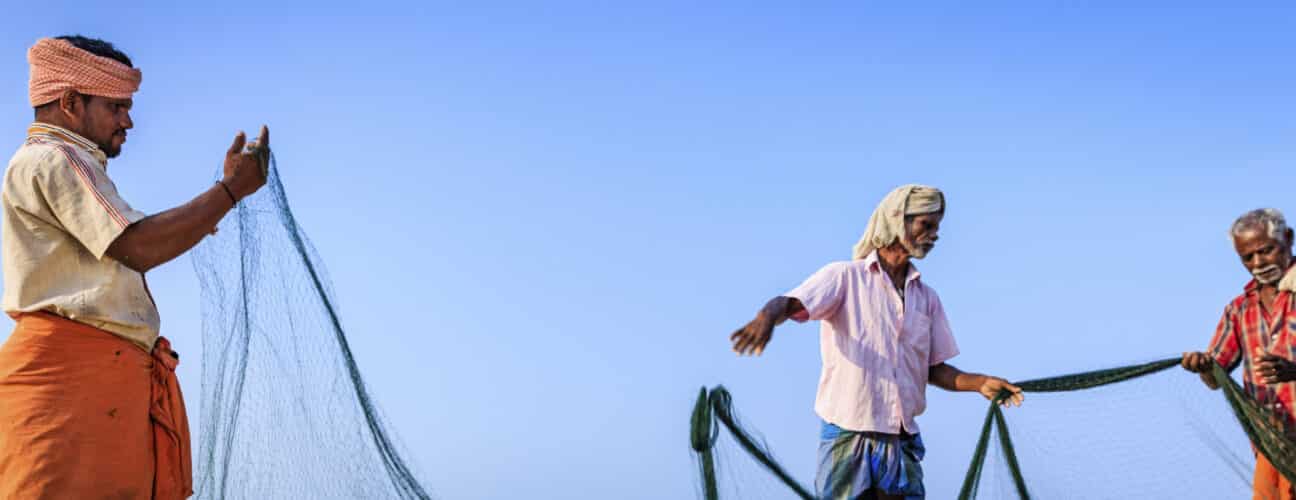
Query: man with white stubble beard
pixel 1257 330
pixel 883 338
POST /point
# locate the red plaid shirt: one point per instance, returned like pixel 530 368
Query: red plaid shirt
pixel 1246 328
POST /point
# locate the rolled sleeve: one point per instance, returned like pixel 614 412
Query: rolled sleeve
pixel 84 200
pixel 943 346
pixel 821 294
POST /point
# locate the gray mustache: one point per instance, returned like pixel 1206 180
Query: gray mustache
pixel 1266 270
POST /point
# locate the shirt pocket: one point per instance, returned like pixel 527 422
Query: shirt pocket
pixel 915 337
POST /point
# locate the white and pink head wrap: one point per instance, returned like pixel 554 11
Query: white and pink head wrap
pixel 57 65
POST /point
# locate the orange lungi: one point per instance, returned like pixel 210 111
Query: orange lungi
pixel 1269 483
pixel 87 414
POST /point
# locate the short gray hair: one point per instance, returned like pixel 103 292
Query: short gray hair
pixel 1270 219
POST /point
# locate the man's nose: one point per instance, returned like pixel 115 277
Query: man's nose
pixel 127 123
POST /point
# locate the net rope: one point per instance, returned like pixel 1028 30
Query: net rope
pixel 1266 434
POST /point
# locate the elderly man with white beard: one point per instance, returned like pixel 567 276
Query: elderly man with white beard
pixel 1256 330
pixel 883 337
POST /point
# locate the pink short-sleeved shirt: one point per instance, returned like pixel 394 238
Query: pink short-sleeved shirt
pixel 876 348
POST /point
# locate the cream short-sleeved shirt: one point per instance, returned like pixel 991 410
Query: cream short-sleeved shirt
pixel 61 212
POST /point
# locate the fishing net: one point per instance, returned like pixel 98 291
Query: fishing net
pixel 1139 431
pixel 284 411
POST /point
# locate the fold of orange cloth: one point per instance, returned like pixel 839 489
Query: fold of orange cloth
pixel 1269 483
pixel 173 475
pixel 57 65
pixel 88 414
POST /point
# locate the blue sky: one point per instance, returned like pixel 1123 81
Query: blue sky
pixel 543 220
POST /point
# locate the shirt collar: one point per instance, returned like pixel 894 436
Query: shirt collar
pixel 47 131
pixel 873 263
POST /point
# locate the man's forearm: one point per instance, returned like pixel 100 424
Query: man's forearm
pixel 968 382
pixel 161 237
pixel 780 308
pixel 948 377
pixel 993 388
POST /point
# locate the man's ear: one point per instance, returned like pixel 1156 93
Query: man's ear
pixel 1289 238
pixel 72 104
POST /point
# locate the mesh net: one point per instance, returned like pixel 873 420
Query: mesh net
pixel 717 433
pixel 284 411
pixel 1139 431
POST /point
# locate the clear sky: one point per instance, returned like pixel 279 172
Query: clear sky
pixel 544 219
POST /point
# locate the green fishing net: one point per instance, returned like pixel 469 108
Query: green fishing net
pixel 1140 431
pixel 284 410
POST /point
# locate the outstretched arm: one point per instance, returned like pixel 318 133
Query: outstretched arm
pixel 752 337
pixel 948 377
pixel 159 238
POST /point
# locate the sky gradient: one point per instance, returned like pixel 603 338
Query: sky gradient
pixel 543 220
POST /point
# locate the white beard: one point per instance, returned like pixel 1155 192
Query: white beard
pixel 1272 270
pixel 915 251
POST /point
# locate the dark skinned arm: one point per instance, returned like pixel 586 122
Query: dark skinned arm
pixel 752 337
pixel 159 238
pixel 947 377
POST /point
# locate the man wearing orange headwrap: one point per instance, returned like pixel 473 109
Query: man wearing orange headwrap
pixel 89 403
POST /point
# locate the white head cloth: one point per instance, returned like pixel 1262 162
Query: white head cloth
pixel 1288 282
pixel 886 225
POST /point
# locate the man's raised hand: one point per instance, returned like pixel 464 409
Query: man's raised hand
pixel 246 164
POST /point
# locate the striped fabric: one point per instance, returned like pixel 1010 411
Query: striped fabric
pixel 853 463
pixel 1246 328
pixel 57 65
pixel 72 147
pixel 60 138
